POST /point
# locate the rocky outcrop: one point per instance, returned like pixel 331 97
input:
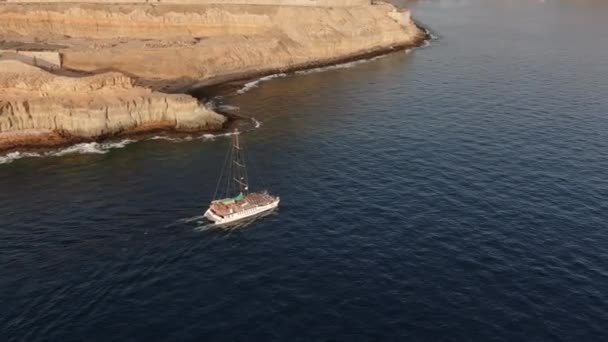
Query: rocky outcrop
pixel 36 105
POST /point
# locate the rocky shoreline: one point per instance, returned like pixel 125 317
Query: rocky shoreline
pixel 92 89
pixel 38 108
pixel 235 82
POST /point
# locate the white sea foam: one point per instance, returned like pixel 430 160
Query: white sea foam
pixel 253 84
pixel 196 220
pixel 204 137
pixel 431 34
pixel 204 226
pixel 256 122
pixel 229 108
pixel 118 144
pixel 214 104
pixel 165 138
pixel 192 219
pixel 208 136
pixel 82 148
pixel 172 139
pixel 211 104
pixel 248 86
pixel 105 147
pixel 90 148
pixel 338 66
pixel 329 67
pixel 10 157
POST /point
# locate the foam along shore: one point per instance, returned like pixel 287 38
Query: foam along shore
pixel 65 76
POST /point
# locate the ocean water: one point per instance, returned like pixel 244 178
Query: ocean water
pixel 458 192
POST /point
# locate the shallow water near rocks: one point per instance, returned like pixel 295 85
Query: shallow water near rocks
pixel 458 192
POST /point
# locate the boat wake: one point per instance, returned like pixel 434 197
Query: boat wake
pixel 198 223
pixel 198 220
pixel 204 227
pixel 201 224
pixel 243 223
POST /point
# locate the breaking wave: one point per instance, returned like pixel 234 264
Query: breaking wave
pixel 82 148
pixel 205 136
pixel 10 157
pixel 432 36
pixel 338 66
pixel 256 123
pixel 168 138
pixel 91 148
pixel 228 108
pixel 215 104
pixel 253 84
pixel 105 147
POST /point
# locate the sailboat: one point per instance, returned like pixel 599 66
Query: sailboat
pixel 238 202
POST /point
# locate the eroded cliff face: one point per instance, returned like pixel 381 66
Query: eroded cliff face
pixel 189 44
pixel 168 48
pixel 35 104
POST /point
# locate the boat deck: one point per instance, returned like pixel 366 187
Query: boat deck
pixel 250 201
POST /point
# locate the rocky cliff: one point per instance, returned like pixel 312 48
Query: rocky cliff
pixel 172 48
pixel 36 105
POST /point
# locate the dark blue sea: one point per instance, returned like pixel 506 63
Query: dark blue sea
pixel 457 192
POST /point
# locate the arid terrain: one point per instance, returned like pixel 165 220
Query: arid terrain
pixel 86 71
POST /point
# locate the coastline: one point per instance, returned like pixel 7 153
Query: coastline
pixel 201 91
pixel 43 141
pixel 232 83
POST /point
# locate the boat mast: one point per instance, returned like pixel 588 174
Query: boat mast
pixel 240 169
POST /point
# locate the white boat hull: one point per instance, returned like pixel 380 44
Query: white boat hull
pixel 240 215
